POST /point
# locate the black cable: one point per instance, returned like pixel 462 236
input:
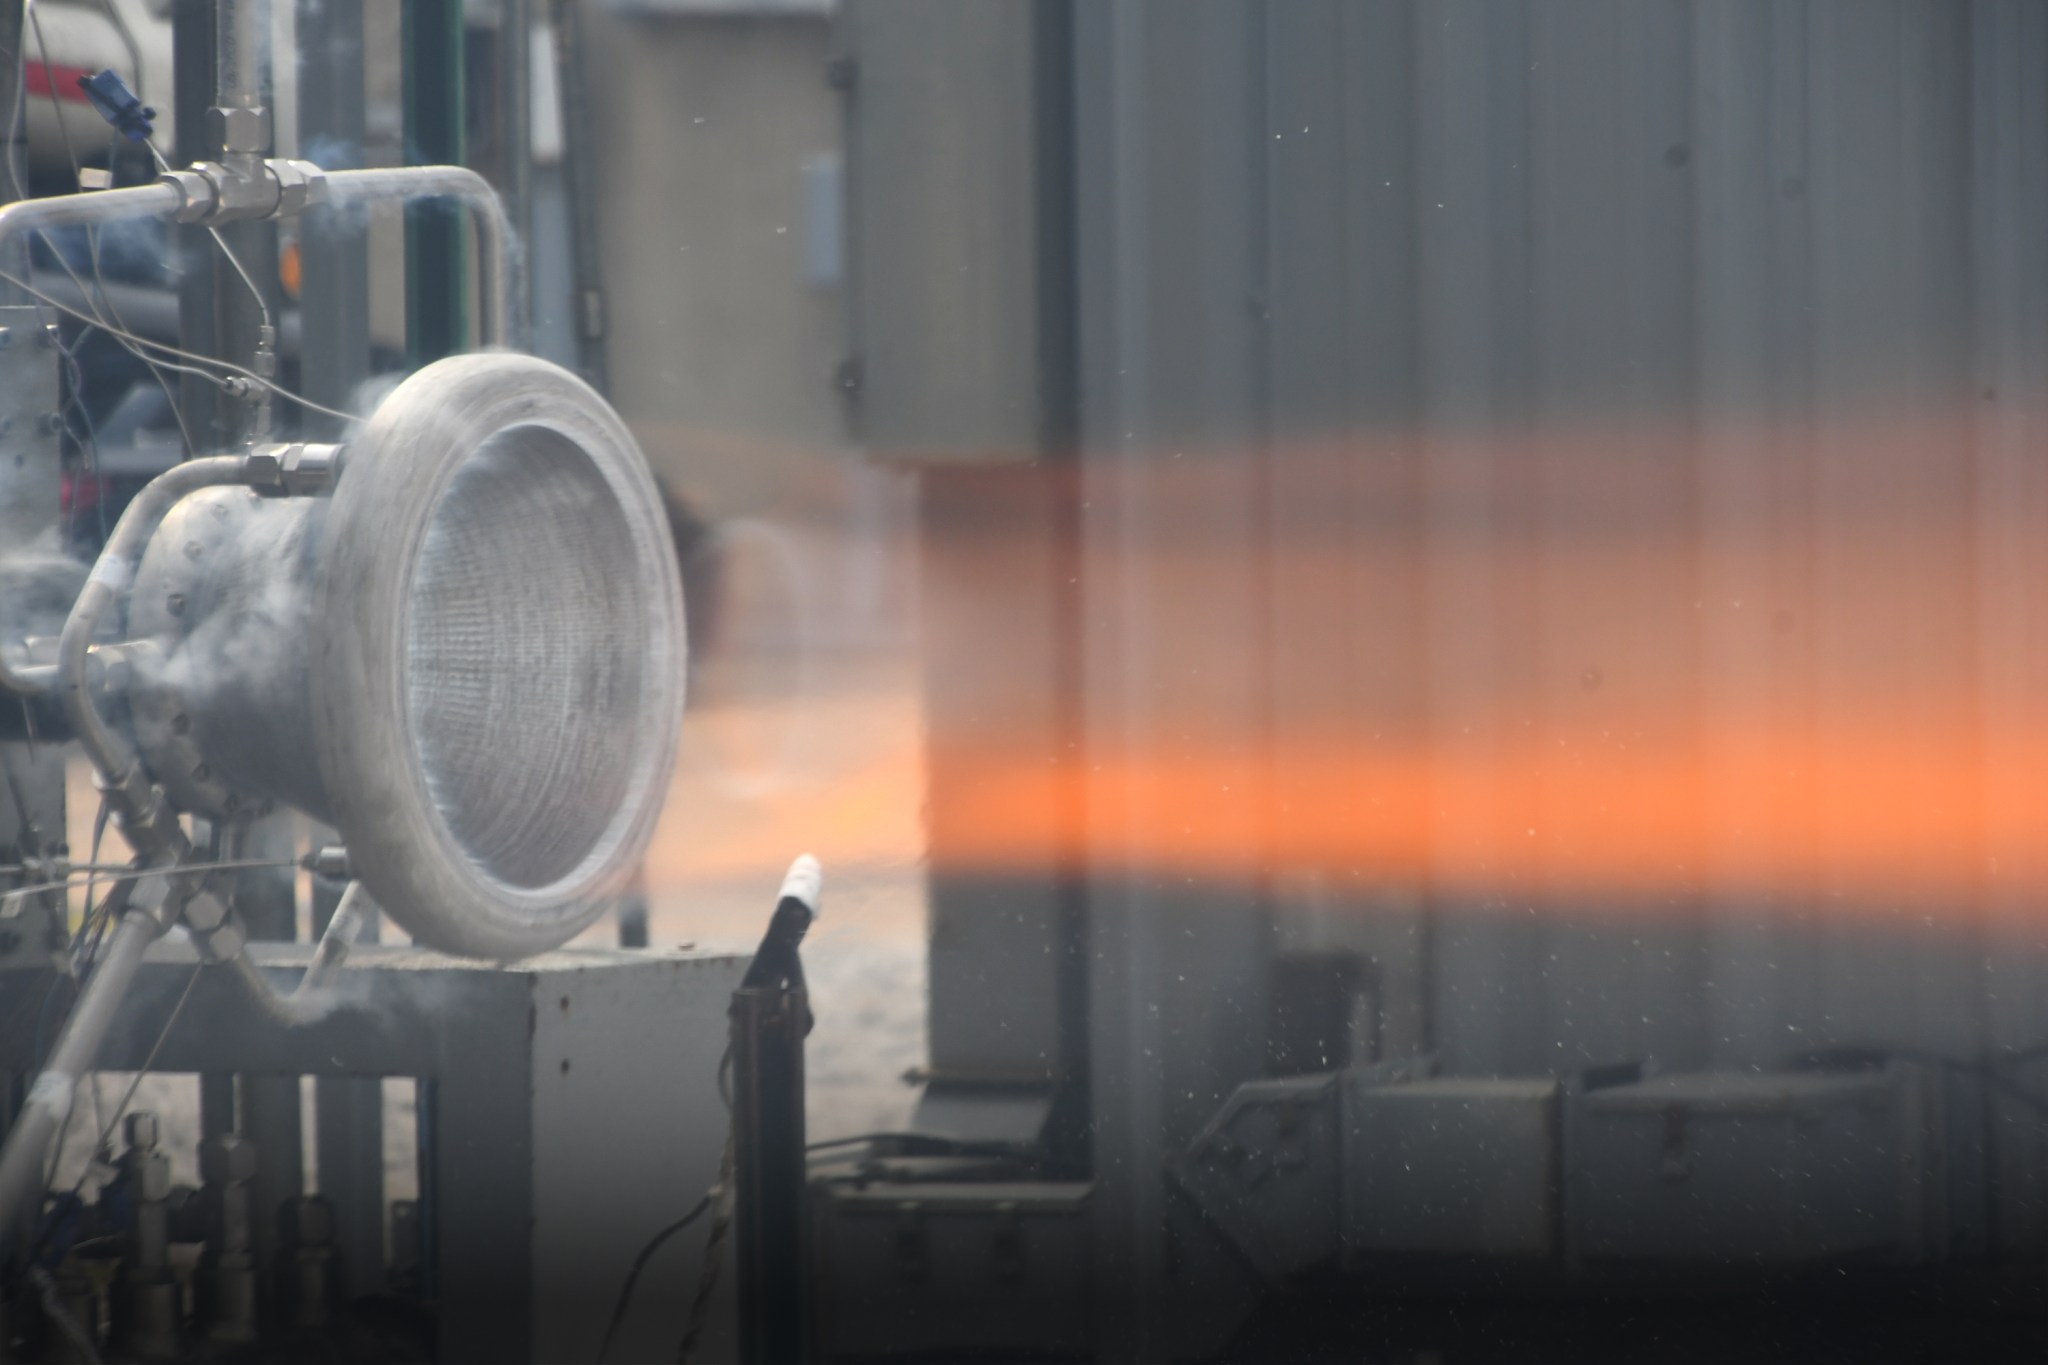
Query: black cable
pixel 654 1244
pixel 714 1245
pixel 721 1203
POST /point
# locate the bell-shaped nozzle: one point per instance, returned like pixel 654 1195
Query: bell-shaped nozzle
pixel 469 659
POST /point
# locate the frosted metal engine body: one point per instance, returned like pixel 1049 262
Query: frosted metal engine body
pixel 469 659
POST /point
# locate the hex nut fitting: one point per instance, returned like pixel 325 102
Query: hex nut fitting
pixel 241 129
pixel 299 469
pixel 224 938
pixel 300 185
pixel 205 913
pixel 263 467
pixel 200 197
pixel 330 861
pixel 236 195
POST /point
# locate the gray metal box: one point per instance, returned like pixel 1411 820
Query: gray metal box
pixel 932 1271
pixel 1450 1166
pixel 573 1106
pixel 1747 1169
pixel 1264 1170
pixel 956 250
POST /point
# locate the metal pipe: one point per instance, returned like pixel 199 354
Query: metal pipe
pixel 515 148
pixel 433 93
pixel 771 1014
pixel 493 230
pixel 578 177
pixel 156 200
pixel 14 144
pixel 25 680
pixel 163 199
pixel 110 754
pixel 49 1099
pixel 241 42
pixel 334 297
pixel 245 299
pixel 311 1000
pixel 193 49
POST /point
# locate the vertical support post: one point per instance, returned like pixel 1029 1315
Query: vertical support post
pixel 426 1112
pixel 578 183
pixel 771 1014
pixel 768 1027
pixel 245 313
pixel 13 142
pixel 242 78
pixel 216 1104
pixel 437 310
pixel 192 81
pixel 31 460
pixel 349 1144
pixel 632 912
pixel 270 1117
pixel 515 154
pixel 334 298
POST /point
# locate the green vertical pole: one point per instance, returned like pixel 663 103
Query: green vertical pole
pixel 436 274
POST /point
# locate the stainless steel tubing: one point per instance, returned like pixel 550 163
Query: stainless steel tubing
pixel 49 1099
pixel 27 680
pixel 241 40
pixel 110 754
pixel 312 1000
pixel 157 200
pixel 340 936
pixel 493 230
pixel 164 199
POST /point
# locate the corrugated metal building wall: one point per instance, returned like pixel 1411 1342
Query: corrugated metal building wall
pixel 1610 434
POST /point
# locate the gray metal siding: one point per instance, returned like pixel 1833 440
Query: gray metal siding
pixel 1759 257
pixel 1636 376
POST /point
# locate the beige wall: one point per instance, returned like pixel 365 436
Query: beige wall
pixel 721 353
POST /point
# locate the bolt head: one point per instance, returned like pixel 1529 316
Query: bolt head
pixel 240 129
pixel 199 193
pixel 223 944
pixel 204 912
pixel 299 184
pixel 264 467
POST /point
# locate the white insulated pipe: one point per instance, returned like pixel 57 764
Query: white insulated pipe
pixel 241 45
pixel 493 229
